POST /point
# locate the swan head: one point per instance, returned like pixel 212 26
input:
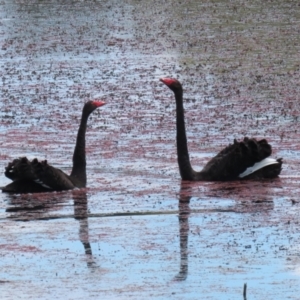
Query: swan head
pixel 97 103
pixel 90 106
pixel 172 83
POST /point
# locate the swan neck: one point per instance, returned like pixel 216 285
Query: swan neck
pixel 185 168
pixel 79 161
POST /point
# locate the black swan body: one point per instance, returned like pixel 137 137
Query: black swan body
pixel 247 159
pixel 38 176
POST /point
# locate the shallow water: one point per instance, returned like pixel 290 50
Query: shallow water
pixel 127 235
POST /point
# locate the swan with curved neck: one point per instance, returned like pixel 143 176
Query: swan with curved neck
pixel 38 176
pixel 247 159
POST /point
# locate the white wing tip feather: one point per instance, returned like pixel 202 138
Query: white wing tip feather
pixel 259 165
pixel 42 184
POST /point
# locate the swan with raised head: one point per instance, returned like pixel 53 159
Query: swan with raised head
pixel 38 176
pixel 246 159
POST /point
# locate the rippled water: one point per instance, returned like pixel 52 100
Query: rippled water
pixel 126 235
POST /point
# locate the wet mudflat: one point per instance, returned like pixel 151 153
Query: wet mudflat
pixel 137 231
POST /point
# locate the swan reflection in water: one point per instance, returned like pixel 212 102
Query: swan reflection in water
pixel 81 214
pixel 184 213
pixel 30 207
pixel 249 197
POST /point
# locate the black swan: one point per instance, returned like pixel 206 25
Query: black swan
pixel 247 159
pixel 37 176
